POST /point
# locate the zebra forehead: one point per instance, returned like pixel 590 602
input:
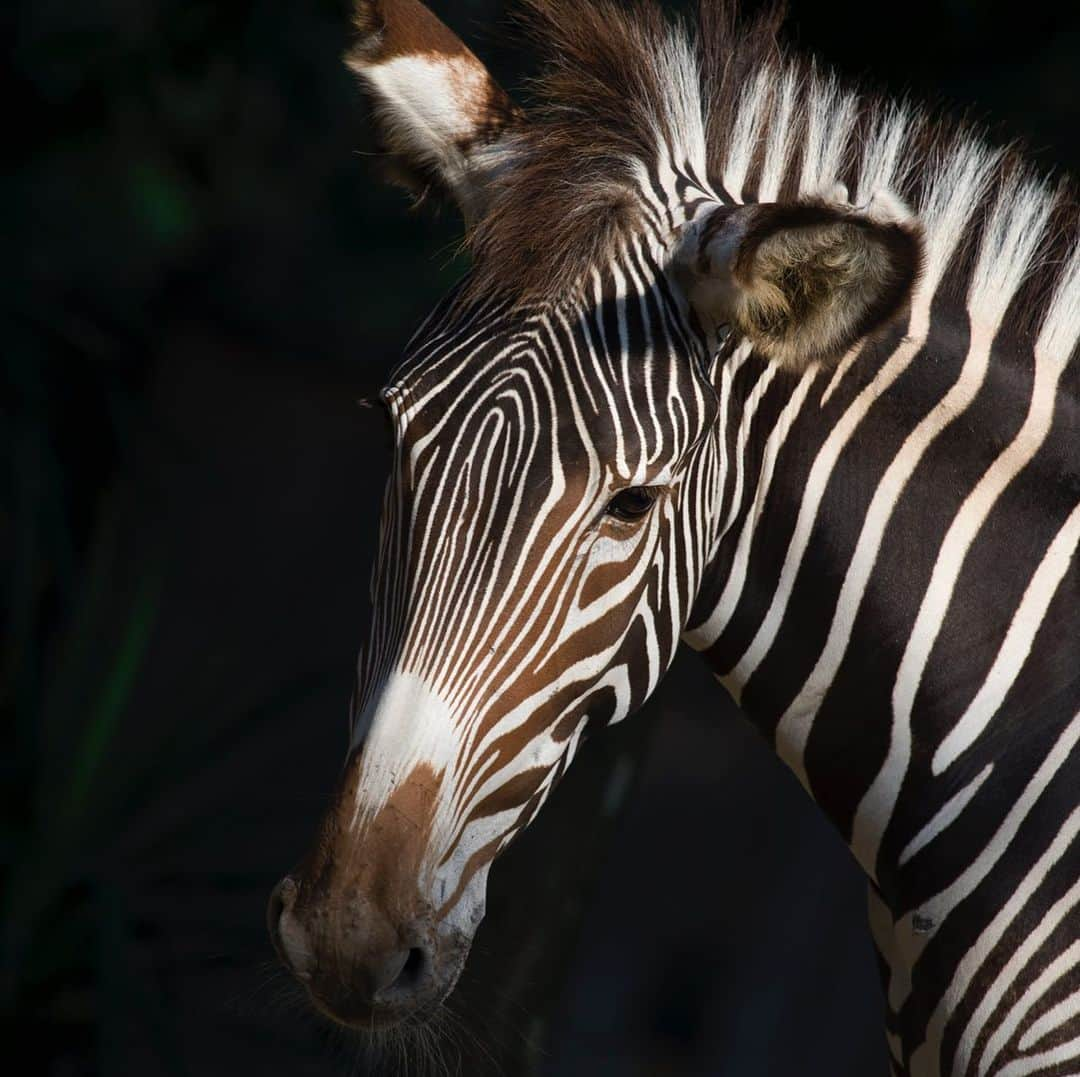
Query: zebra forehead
pixel 637 115
pixel 540 363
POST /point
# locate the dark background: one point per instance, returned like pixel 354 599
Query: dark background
pixel 203 276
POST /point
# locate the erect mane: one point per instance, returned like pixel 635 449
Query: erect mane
pixel 625 86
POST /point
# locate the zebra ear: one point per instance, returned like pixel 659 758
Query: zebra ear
pixel 440 114
pixel 803 281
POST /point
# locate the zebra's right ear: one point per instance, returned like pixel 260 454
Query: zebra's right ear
pixel 440 114
pixel 802 281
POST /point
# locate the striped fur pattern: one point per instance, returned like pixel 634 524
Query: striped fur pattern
pixel 876 550
pixel 503 590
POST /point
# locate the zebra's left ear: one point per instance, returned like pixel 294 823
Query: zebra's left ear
pixel 802 281
pixel 440 114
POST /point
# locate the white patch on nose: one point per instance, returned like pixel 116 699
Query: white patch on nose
pixel 409 725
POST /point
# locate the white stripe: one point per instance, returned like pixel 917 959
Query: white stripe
pixel 723 423
pixel 1007 978
pixel 778 145
pixel 820 473
pixel 940 907
pixel 883 168
pixel 1054 1017
pixel 793 730
pixel 949 812
pixel 830 117
pixel 944 215
pixel 877 805
pixel 744 135
pixel 1064 963
pixel 1055 1056
pixel 1015 647
pixel 1008 245
pixel 746 420
pixel 1061 325
pixel 729 599
pixel 838 374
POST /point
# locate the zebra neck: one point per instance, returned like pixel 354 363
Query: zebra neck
pixel 870 558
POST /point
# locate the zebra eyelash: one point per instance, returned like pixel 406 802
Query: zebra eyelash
pixel 378 403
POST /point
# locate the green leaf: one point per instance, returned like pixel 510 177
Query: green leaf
pixel 162 204
pixel 115 694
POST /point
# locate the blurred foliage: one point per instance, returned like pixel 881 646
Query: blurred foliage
pixel 80 606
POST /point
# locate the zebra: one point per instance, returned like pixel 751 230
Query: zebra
pixel 755 359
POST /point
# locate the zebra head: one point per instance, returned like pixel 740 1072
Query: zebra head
pixel 551 506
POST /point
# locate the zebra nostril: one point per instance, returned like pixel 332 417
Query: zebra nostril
pixel 402 975
pixel 286 933
pixel 388 972
pixel 274 909
pixel 413 969
pixel 356 962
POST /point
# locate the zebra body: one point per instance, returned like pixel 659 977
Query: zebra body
pixel 899 677
pixel 806 395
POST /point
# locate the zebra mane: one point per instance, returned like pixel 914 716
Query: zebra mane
pixel 625 87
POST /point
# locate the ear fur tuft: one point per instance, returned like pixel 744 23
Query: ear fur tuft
pixel 803 282
pixel 439 114
pixel 369 23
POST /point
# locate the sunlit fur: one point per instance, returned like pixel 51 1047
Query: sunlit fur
pixel 503 588
pixel 875 551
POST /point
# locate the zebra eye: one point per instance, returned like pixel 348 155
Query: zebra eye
pixel 632 503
